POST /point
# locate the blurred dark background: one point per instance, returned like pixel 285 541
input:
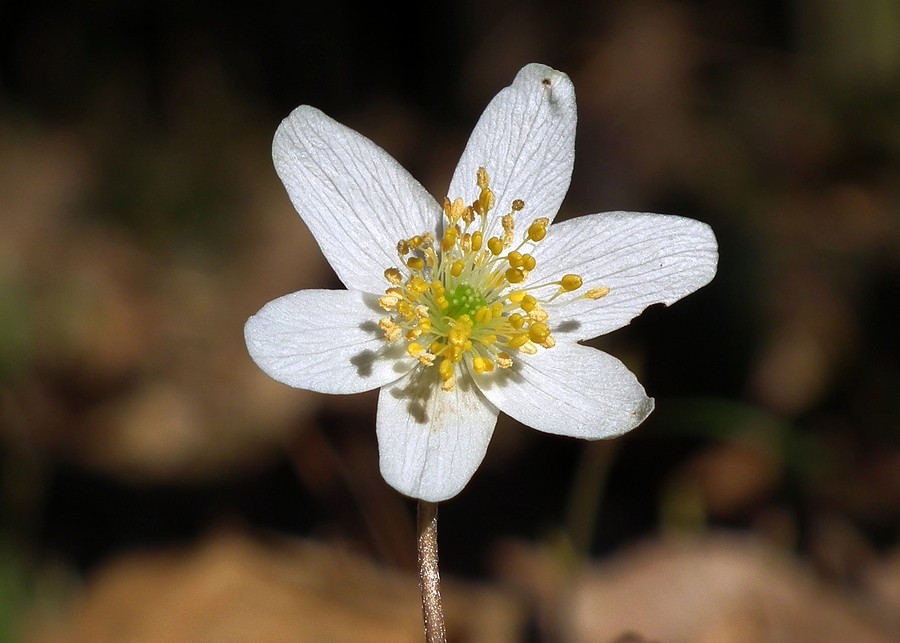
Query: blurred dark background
pixel 142 223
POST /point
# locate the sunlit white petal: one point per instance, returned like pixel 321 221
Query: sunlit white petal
pixel 643 259
pixel 431 441
pixel 355 198
pixel 525 139
pixel 326 341
pixel 569 390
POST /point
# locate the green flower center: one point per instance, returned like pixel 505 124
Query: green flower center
pixel 464 300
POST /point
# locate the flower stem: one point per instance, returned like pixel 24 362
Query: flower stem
pixel 429 576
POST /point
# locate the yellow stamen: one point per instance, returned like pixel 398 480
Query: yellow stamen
pixel 481 178
pixel 538 332
pixel 393 275
pixel 514 275
pixel 476 241
pixel 597 293
pixel 570 283
pixel 537 231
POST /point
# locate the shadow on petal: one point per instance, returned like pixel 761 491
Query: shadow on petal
pixel 418 391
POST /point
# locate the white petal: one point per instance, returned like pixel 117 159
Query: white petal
pixel 431 441
pixel 643 259
pixel 569 390
pixel 326 341
pixel 355 198
pixel 525 139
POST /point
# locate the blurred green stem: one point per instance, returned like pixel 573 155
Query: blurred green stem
pixel 587 492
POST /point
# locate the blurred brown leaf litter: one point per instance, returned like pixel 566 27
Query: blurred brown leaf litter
pixel 140 231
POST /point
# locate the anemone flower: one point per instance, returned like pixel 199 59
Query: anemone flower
pixel 463 308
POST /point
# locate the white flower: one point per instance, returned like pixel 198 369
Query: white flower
pixel 461 310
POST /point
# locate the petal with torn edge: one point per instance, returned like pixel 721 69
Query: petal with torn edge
pixel 643 259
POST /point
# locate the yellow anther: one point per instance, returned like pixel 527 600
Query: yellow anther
pixel 538 314
pixel 446 369
pixel 482 178
pixel 486 200
pixel 538 332
pixel 467 346
pixel 388 302
pixel 489 339
pixel 418 286
pixel 570 283
pixel 425 324
pixel 516 297
pixel 406 309
pixel 497 310
pixel 508 223
pixel 437 288
pixel 403 247
pixel 495 246
pixel 597 293
pixel 515 259
pixel 517 205
pixel 457 267
pixel 437 347
pixel 482 365
pixel 528 348
pixel 483 315
pixel 442 302
pixel 537 231
pixel 504 360
pixel 393 275
pixel 465 242
pixel 517 341
pixel 456 337
pixel 516 321
pixel 416 263
pixel 413 334
pixel 449 240
pixel 528 262
pixel 455 353
pixel 476 241
pixel 414 349
pixel 514 275
pixel 528 303
pixel 457 209
pixel 392 331
pixel 415 242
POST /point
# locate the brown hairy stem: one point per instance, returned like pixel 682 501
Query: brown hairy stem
pixel 429 576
